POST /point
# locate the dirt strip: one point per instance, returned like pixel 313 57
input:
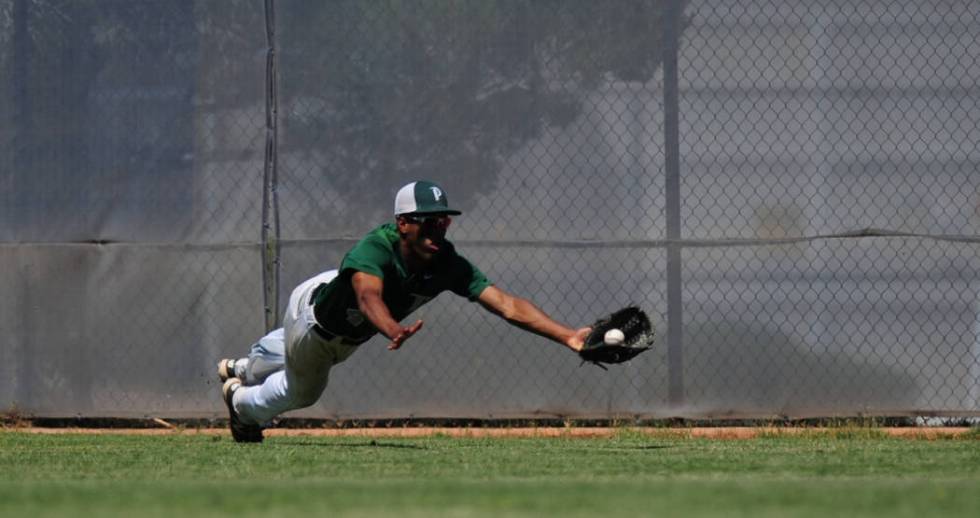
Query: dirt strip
pixel 711 433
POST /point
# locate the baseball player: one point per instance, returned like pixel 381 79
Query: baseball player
pixel 386 276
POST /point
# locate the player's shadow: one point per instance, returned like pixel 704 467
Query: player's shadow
pixel 368 444
pixel 638 447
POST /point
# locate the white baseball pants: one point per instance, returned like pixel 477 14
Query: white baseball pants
pixel 304 360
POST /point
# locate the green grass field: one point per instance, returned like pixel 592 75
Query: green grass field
pixel 843 473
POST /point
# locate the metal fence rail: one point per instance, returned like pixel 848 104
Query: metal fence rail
pixel 790 188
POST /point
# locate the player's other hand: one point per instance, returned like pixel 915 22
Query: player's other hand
pixel 577 340
pixel 405 334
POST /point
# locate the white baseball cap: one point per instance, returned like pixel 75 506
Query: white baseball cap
pixel 422 197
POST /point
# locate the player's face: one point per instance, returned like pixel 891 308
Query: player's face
pixel 425 235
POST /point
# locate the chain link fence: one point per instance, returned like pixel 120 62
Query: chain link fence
pixel 789 188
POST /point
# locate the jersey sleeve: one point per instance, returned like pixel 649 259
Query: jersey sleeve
pixel 468 280
pixel 370 255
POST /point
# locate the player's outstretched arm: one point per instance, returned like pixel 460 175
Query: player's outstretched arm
pixel 368 289
pixel 525 315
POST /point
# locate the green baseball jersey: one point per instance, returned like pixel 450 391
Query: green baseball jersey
pixel 379 254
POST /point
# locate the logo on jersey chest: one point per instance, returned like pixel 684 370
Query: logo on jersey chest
pixel 355 317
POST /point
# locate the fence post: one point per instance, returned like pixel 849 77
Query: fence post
pixel 270 200
pixel 675 357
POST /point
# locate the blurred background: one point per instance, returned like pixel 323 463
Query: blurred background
pixel 790 189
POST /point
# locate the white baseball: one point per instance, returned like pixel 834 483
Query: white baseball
pixel 613 337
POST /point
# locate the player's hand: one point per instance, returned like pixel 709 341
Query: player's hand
pixel 577 340
pixel 405 334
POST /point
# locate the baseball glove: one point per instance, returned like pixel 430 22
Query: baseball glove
pixel 636 337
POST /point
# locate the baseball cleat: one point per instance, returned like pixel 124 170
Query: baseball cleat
pixel 226 369
pixel 240 431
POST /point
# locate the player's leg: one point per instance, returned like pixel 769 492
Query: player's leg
pixel 266 356
pixel 299 385
pixel 308 361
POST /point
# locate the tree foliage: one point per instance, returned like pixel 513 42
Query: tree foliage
pixel 447 89
pixel 374 92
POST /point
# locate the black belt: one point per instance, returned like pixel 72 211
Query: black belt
pixel 323 333
pixel 328 336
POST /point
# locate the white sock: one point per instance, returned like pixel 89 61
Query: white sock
pixel 238 367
